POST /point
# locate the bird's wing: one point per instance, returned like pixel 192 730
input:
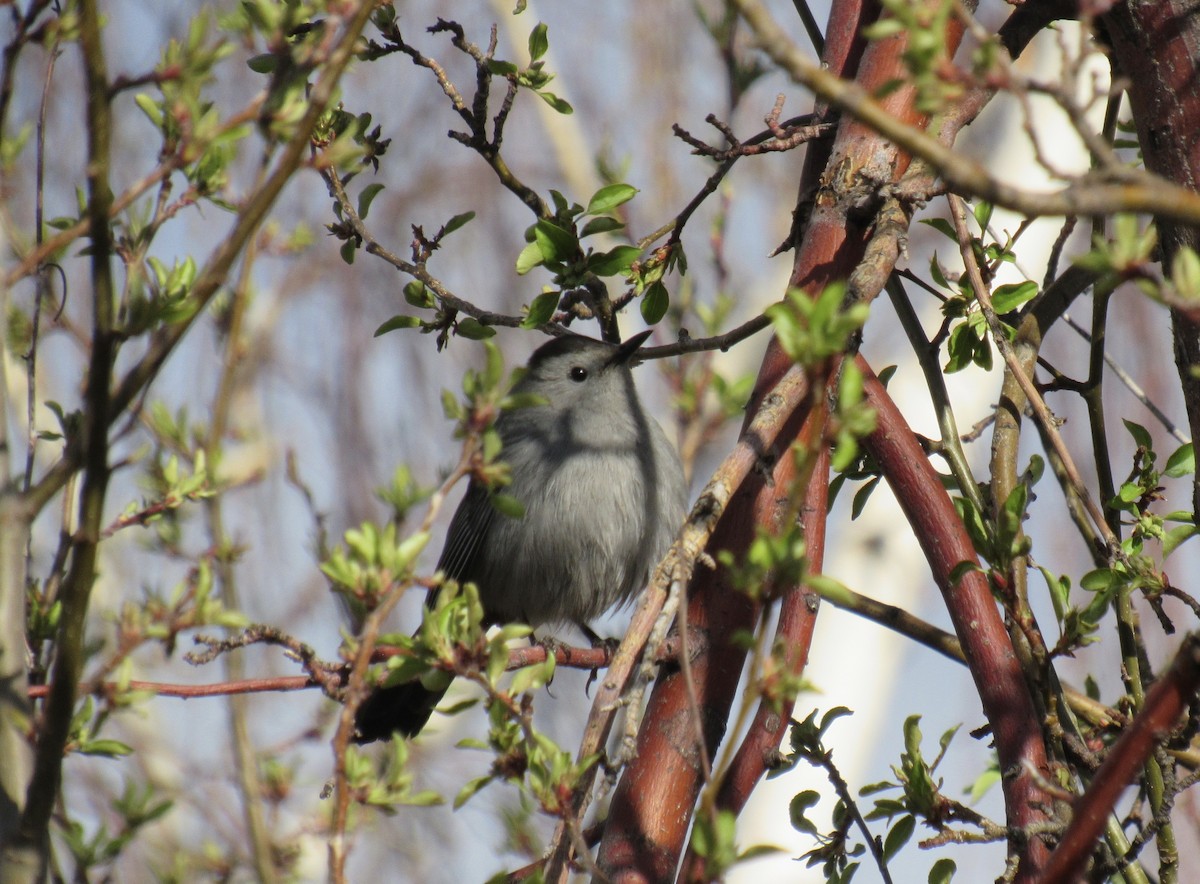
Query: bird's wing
pixel 467 530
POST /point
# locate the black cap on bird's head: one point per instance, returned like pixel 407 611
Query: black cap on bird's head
pixel 619 354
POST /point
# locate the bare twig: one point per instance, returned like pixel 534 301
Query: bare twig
pixel 1044 417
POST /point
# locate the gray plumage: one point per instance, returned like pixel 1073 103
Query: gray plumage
pixel 603 492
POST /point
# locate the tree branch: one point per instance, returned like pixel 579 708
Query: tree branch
pixel 1093 194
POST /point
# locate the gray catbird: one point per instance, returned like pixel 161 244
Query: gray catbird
pixel 603 492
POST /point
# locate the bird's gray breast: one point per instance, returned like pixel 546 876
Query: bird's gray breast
pixel 586 540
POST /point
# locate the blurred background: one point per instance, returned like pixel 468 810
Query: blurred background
pixel 316 389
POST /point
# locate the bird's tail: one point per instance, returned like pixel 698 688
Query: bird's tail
pixel 402 708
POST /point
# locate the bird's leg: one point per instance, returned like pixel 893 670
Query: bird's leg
pixel 609 644
pixel 550 643
pixel 552 646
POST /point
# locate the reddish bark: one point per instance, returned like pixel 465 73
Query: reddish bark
pixel 1156 47
pixel 797 621
pixel 1165 703
pixel 1002 688
pixel 652 808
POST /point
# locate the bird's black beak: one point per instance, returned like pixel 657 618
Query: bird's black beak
pixel 626 350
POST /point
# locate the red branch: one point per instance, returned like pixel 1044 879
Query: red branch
pixel 188 691
pixel 1165 703
pixel 797 621
pixel 1157 48
pixel 653 805
pixel 566 656
pixel 986 645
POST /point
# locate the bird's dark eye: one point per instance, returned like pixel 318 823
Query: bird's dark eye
pixel 578 373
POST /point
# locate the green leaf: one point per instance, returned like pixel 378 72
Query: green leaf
pixel 555 243
pixel 530 678
pixel 397 321
pixel 1007 298
pixel 1011 514
pixel 608 198
pixel 966 566
pixel 1185 274
pixel 1130 492
pixel 613 262
pixel 418 295
pixel 493 370
pixel 984 782
pixel 833 715
pixel 559 104
pixel 538 42
pixel 105 748
pixel 467 792
pixel 884 28
pixel 935 270
pixel 861 496
pixel 797 808
pixel 451 407
pixel 912 736
pixel 1093 612
pixel 942 872
pixel 1099 580
pixel 502 68
pixel 1140 434
pixel 473 329
pixel 409 549
pixel 1173 537
pixel 507 505
pixel 367 197
pixel 603 224
pixel 756 850
pixel 497 660
pixel 943 226
pixel 562 207
pixel 150 108
pixel 898 836
pixel 541 310
pixel 702 839
pixel 811 328
pixel 460 220
pixel 263 64
pixel 873 788
pixel 960 348
pixel 1182 461
pixel 511 632
pixel 945 738
pixel 983 214
pixel 530 257
pixel 845 451
pixel 1060 593
pixel 655 302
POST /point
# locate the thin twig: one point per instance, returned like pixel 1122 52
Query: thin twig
pixel 1041 412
